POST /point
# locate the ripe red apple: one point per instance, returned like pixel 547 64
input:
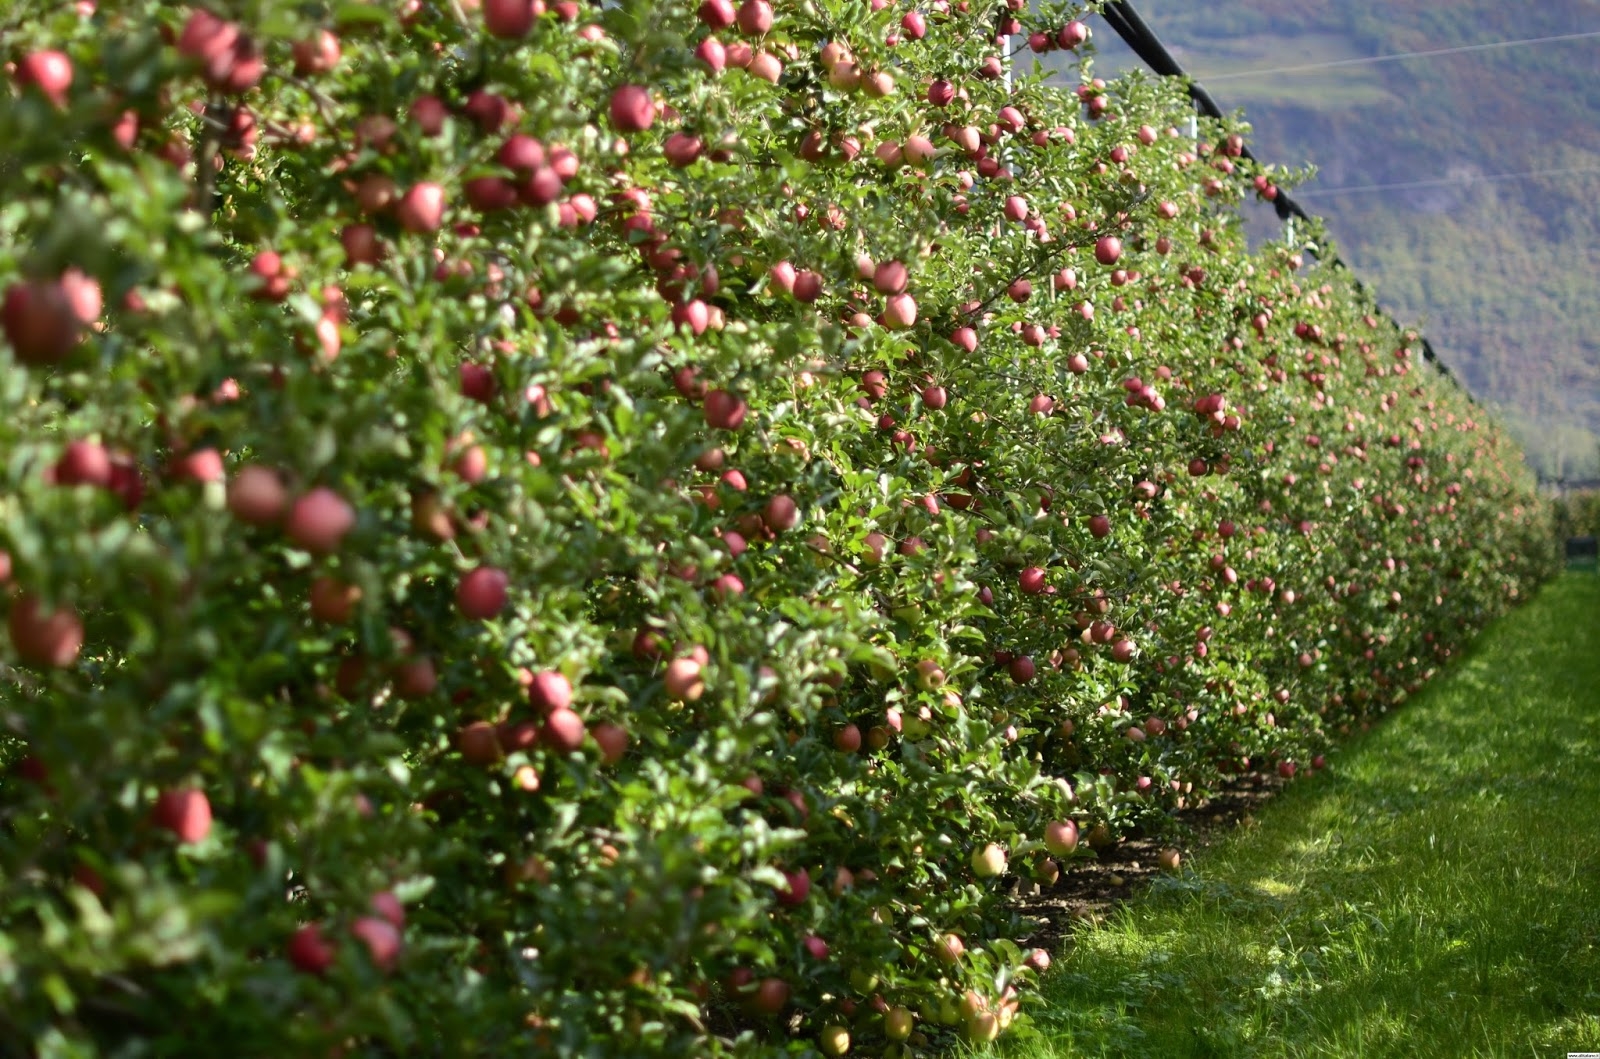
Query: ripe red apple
pixel 771 996
pixel 549 691
pixel 795 889
pixel 421 208
pixel 381 938
pixel 480 743
pixel 755 18
pixel 332 600
pixel 781 513
pixel 949 948
pixel 309 951
pixel 186 812
pixel 683 680
pixel 1061 837
pixel 816 947
pixel 48 71
pixel 899 312
pixel 934 398
pixel 612 739
pixel 1033 580
pixel 563 731
pixel 319 520
pixel 1099 526
pixel 711 52
pixel 257 496
pixel 1022 669
pixel 724 410
pixel 387 905
pixel 682 149
pixel 199 465
pixel 941 93
pixel 1107 249
pixel 718 14
pixel 481 593
pixel 84 463
pixel 318 55
pixel 890 277
pixel 44 638
pixel 807 286
pixel 632 109
pixel 508 19
pixel 847 740
pixel 43 320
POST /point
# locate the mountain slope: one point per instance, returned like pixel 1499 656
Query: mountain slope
pixel 1502 273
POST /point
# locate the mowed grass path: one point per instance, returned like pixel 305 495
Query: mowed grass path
pixel 1435 893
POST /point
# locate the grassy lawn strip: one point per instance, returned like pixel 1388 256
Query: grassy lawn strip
pixel 1435 893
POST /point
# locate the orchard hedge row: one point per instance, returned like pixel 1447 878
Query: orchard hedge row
pixel 537 529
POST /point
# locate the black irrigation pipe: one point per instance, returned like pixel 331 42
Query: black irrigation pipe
pixel 1121 16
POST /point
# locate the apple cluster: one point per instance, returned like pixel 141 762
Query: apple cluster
pixel 537 527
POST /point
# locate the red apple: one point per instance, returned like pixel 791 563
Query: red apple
pixel 1107 249
pixel 612 739
pixel 481 593
pixel 48 71
pixel 332 600
pixel 796 888
pixel 563 731
pixel 309 951
pixel 899 312
pixel 549 691
pixel 387 905
pixel 508 19
pixel 807 286
pixel 421 208
pixel 382 940
pixel 318 55
pixel 43 320
pixel 718 14
pixel 683 680
pixel 781 513
pixel 319 520
pixel 84 463
pixel 44 638
pixel 480 743
pixel 199 465
pixel 771 996
pixel 755 18
pixel 257 496
pixel 186 812
pixel 724 410
pixel 1032 581
pixel 1061 837
pixel 632 109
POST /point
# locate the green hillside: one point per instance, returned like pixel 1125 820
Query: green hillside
pixel 1502 274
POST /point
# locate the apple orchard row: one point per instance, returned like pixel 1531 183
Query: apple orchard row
pixel 533 528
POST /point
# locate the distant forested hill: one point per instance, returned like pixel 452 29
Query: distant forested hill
pixel 1502 274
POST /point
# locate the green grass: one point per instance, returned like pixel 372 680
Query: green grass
pixel 1436 893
